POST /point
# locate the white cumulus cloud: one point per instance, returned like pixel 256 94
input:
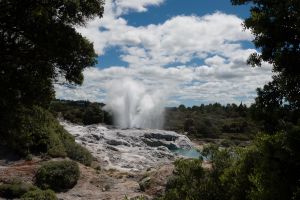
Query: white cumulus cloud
pixel 198 58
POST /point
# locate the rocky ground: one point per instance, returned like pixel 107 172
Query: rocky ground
pixel 131 150
pixel 96 184
pixel 128 162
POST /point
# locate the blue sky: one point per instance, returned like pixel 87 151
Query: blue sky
pixel 191 51
pixel 172 8
pixel 169 9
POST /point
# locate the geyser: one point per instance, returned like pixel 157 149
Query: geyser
pixel 133 105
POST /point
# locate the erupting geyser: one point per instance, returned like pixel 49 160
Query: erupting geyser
pixel 133 105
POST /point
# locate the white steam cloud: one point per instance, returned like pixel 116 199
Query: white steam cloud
pixel 133 105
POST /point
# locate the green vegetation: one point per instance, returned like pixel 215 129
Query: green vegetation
pixel 80 112
pixel 39 195
pixel 25 191
pixel 192 181
pixel 36 131
pixel 78 152
pixel 58 175
pixel 135 198
pixel 39 132
pixel 268 169
pixel 275 26
pixel 15 189
pixel 39 46
pixel 230 122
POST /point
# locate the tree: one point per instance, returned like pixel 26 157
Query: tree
pixel 40 46
pixel 275 26
pixel 270 168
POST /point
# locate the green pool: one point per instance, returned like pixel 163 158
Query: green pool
pixel 189 153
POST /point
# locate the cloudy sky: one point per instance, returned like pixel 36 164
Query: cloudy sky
pixel 194 51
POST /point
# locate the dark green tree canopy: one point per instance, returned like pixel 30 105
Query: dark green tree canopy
pixel 276 27
pixel 40 45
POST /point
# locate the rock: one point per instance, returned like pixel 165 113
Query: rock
pixel 112 148
pixel 161 136
pixel 117 142
pixel 129 149
pixel 144 184
pixel 162 148
pixel 97 137
pixel 159 177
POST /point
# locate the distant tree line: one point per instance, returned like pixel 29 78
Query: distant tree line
pixel 80 112
pixel 211 120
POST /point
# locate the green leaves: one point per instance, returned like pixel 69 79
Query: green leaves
pixel 275 26
pixel 58 175
pixel 39 44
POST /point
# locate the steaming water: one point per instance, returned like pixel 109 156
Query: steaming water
pixel 133 105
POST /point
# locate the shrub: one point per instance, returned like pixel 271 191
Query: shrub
pixel 79 153
pixel 39 195
pixel 33 130
pixel 74 150
pixel 36 131
pixel 136 198
pixel 15 190
pixel 58 175
pixel 39 132
pixel 185 184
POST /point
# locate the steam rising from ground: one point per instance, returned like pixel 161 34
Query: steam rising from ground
pixel 133 105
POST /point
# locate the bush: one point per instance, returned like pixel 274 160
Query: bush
pixel 58 175
pixel 79 153
pixel 268 169
pixel 191 181
pixel 74 150
pixel 185 183
pixel 136 198
pixel 15 190
pixel 33 130
pixel 39 195
pixel 38 132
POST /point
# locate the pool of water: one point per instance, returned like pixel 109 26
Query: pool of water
pixel 189 153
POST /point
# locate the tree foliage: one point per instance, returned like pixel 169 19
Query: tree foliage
pixel 275 26
pixel 80 112
pixel 229 121
pixel 266 170
pixel 269 168
pixel 40 46
pixel 190 181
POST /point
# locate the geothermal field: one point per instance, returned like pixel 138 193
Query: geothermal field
pixel 131 149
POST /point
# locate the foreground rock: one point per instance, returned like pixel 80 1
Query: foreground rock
pixel 129 149
pixel 93 184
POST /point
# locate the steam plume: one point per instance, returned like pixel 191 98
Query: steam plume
pixel 133 105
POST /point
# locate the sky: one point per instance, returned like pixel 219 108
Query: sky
pixel 192 51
